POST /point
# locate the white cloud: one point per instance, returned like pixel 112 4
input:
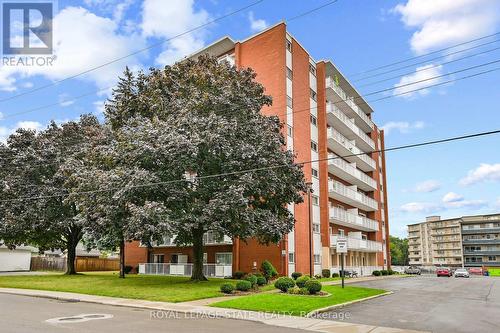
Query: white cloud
pixel 446 22
pixel 420 207
pixel 454 200
pixel 161 21
pixel 256 24
pixel 6 131
pixel 427 186
pixel 450 200
pixel 485 172
pixel 452 197
pixel 402 126
pixel 497 203
pixel 423 75
pixel 65 100
pixel 81 40
pixel 99 107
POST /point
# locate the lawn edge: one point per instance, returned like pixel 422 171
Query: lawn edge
pixel 341 305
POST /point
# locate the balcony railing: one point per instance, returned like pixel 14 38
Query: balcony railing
pixel 209 270
pixel 355 154
pixel 358 199
pixel 333 109
pixel 330 83
pixel 357 244
pixel 366 181
pixel 209 238
pixel 343 217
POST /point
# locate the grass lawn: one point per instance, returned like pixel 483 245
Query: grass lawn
pixel 153 288
pixel 494 271
pixel 297 305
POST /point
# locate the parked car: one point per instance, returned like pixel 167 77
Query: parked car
pixel 444 272
pixel 461 272
pixel 476 271
pixel 413 270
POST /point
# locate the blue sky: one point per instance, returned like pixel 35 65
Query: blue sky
pixel 449 180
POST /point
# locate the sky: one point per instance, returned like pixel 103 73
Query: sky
pixel 453 179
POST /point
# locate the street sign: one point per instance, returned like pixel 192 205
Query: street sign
pixel 341 245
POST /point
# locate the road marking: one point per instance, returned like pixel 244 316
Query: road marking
pixel 79 318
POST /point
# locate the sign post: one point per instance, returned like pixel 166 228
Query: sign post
pixel 342 249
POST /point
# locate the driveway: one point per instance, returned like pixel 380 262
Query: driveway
pixel 428 303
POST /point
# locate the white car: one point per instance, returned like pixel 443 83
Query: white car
pixel 461 272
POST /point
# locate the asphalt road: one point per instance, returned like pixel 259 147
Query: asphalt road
pixel 441 305
pixel 21 314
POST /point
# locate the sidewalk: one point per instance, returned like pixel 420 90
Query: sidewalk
pixel 316 325
pixel 364 279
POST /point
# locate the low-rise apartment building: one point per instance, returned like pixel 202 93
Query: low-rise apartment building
pixel 325 121
pixel 464 241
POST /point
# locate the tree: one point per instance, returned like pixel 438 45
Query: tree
pixel 35 205
pixel 399 251
pixel 194 128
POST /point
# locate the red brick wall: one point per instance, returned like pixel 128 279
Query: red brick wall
pixel 134 254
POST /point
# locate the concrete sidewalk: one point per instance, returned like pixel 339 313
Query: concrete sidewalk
pixel 280 320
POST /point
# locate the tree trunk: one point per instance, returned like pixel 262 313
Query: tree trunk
pixel 122 258
pixel 197 274
pixel 70 259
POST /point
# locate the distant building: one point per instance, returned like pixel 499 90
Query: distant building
pixel 463 241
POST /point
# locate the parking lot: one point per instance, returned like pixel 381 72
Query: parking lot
pixel 428 303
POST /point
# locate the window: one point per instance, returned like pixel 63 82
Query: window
pixel 224 258
pixel 289 101
pixel 205 257
pixel 312 69
pixel 158 258
pixel 492 258
pixel 291 257
pixel 290 131
pixel 315 200
pixel 314 172
pixel 289 45
pixel 341 232
pixel 313 94
pixel 314 120
pixel 316 228
pixel 314 146
pixel 289 73
pixel 317 259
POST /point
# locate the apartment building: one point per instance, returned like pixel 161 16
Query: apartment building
pixel 325 119
pixel 464 241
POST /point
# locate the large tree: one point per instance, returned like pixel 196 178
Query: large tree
pixel 399 251
pixel 35 206
pixel 195 132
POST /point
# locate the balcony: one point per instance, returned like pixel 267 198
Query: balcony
pixel 349 173
pixel 347 149
pixel 484 253
pixel 209 238
pixel 481 241
pixel 352 220
pixel 480 231
pixel 337 95
pixel 351 196
pixel 347 127
pixel 357 244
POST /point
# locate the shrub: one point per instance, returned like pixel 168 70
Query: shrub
pixel 252 279
pixel 268 270
pixel 391 272
pixel 376 273
pixel 261 280
pixel 227 288
pixel 325 273
pixel 317 276
pixel 301 281
pixel 313 286
pixel 243 285
pixel 384 272
pixel 335 275
pixel 127 269
pixel 284 283
pixel 238 275
pixel 296 275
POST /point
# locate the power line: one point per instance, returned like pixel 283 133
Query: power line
pixel 234 173
pixel 425 55
pixel 312 10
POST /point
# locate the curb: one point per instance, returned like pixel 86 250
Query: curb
pixel 337 306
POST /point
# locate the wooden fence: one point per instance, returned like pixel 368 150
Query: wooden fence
pixel 82 264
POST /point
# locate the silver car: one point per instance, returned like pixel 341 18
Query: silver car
pixel 461 272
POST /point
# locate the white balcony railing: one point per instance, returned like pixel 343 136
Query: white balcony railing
pixel 352 170
pixel 347 192
pixel 352 220
pixel 330 83
pixel 333 109
pixel 357 244
pixel 209 270
pixel 349 145
pixel 209 238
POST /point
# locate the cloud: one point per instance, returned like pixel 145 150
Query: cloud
pixel 447 22
pixel 402 126
pixel 427 186
pixel 423 76
pixel 452 197
pixel 256 24
pixel 450 200
pixel 65 100
pixel 27 124
pixel 81 40
pixel 454 200
pixel 484 172
pixel 161 21
pixel 420 207
pixel 497 203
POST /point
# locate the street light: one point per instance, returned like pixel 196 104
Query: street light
pixel 311 258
